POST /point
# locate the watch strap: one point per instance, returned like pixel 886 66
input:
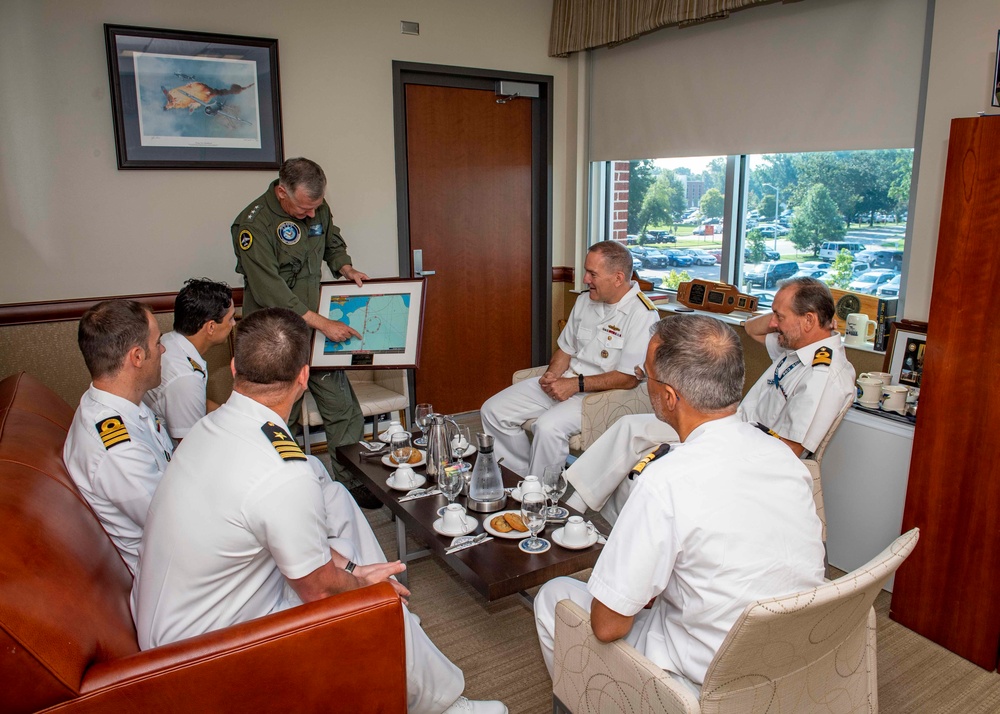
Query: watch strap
pixel 351 565
pixel 580 382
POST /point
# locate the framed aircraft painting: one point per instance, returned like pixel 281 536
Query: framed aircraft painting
pixel 193 100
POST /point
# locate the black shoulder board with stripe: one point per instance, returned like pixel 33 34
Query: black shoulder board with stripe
pixel 196 367
pixel 823 356
pixel 112 431
pixel 767 430
pixel 284 444
pixel 648 459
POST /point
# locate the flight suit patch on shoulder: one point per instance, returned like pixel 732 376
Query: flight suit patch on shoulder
pixel 284 444
pixel 196 367
pixel 112 431
pixel 645 301
pixel 246 239
pixel 823 356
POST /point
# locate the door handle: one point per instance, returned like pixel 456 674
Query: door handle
pixel 418 265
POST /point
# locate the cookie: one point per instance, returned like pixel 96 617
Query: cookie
pixel 414 458
pixel 515 522
pixel 499 523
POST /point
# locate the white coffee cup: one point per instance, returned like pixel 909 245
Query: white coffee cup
pixel 857 331
pixel 869 391
pixel 886 377
pixel 404 477
pixel 453 519
pixel 894 398
pixel 576 532
pixel 530 484
pixel 913 396
pixel 394 428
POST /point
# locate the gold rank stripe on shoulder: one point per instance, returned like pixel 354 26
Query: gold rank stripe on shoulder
pixel 196 367
pixel 823 356
pixel 112 431
pixel 646 301
pixel 649 458
pixel 284 444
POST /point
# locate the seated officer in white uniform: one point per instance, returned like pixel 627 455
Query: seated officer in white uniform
pixel 203 317
pixel 237 528
pixel 797 399
pixel 724 518
pixel 117 449
pixel 602 342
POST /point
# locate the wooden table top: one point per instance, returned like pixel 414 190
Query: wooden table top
pixel 496 568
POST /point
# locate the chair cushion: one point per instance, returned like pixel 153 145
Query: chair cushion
pixel 375 399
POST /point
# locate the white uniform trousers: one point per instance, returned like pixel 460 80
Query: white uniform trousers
pixel 599 475
pixel 564 588
pixel 504 413
pixel 433 683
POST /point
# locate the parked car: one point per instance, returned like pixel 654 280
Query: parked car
pixel 660 236
pixel 636 264
pixel 632 239
pixel 679 258
pixel 769 254
pixel 888 259
pixel 889 289
pixel 769 230
pixel 651 257
pixel 869 281
pixel 831 248
pixel 810 273
pixel 701 257
pixel 767 275
pixel 815 265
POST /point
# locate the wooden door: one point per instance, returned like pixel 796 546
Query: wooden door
pixel 948 590
pixel 469 195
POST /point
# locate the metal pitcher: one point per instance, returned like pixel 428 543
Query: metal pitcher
pixel 439 435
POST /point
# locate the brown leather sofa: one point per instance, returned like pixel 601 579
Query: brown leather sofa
pixel 67 641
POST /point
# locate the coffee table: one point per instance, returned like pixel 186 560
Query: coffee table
pixel 496 568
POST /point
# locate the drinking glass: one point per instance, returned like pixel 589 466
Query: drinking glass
pixel 422 416
pixel 451 480
pixel 533 515
pixel 460 443
pixel 399 443
pixel 554 484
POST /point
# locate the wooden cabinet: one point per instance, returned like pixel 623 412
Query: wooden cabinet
pixel 948 590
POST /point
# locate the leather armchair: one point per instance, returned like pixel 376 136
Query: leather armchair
pixel 67 641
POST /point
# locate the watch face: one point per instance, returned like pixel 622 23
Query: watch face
pixel 846 305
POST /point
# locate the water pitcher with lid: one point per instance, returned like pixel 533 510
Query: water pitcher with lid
pixel 439 435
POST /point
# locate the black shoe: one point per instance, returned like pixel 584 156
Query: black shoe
pixel 365 498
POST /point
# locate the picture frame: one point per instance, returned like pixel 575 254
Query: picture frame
pixel 904 358
pixel 996 76
pixel 389 314
pixel 194 100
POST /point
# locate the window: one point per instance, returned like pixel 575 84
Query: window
pixel 837 216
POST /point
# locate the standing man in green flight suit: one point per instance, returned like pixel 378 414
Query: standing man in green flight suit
pixel 281 240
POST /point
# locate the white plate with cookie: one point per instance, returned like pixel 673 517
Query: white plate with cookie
pixel 391 462
pixel 510 530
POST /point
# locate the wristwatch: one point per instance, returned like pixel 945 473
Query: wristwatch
pixel 351 565
pixel 580 382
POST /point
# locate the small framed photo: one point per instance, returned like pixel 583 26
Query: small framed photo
pixel 387 314
pixel 193 100
pixel 996 76
pixel 905 357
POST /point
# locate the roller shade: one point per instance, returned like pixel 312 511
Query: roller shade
pixel 819 75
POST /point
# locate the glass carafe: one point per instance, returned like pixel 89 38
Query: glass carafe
pixel 487 484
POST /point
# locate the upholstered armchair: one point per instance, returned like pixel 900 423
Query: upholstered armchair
pixel 814 461
pixel 600 409
pixel 379 391
pixel 812 651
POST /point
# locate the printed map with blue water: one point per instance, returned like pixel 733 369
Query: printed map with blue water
pixel 381 320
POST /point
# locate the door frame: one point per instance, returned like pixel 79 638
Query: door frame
pixel 404 73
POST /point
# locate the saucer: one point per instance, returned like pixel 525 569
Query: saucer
pixel 387 460
pixel 539 546
pixel 418 481
pixel 515 493
pixel 384 438
pixel 469 451
pixel 557 536
pixel 470 525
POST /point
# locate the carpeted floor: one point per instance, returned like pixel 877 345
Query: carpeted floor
pixel 496 646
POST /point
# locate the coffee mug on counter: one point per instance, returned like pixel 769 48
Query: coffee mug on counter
pixel 869 391
pixel 857 331
pixel 894 398
pixel 884 377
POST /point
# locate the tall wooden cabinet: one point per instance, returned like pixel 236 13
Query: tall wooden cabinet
pixel 948 590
